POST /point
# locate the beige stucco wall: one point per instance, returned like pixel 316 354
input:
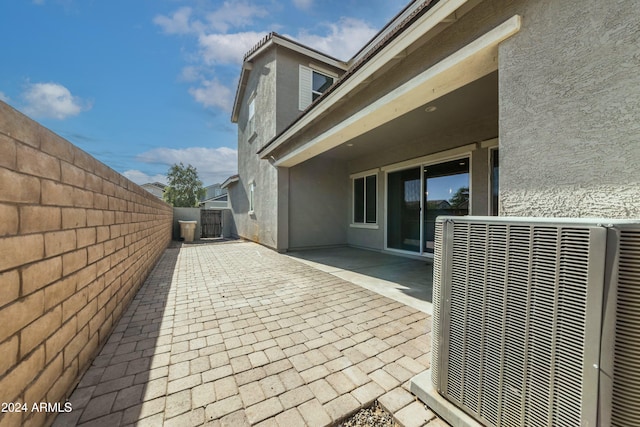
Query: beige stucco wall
pixel 76 242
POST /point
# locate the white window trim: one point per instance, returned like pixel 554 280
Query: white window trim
pixel 305 84
pixel 252 193
pixel 369 225
pixel 431 159
pixel 251 118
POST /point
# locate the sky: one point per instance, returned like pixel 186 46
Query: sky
pixel 144 84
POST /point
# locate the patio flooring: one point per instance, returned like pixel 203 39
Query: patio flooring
pixel 234 334
pixel 406 280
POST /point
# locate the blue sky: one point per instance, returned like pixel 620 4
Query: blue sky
pixel 143 84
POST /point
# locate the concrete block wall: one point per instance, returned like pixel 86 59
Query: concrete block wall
pixel 76 241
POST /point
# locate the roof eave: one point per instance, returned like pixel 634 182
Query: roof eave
pixel 263 45
pixel 436 12
pixel 229 181
pixel 242 85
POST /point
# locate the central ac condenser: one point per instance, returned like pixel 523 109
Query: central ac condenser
pixel 536 322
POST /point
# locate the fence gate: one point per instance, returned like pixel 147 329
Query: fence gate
pixel 211 222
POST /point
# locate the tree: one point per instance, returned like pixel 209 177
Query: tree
pixel 184 189
pixel 460 200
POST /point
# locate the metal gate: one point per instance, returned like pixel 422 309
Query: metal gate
pixel 211 221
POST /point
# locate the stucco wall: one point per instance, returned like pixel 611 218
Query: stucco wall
pixel 260 226
pixel 274 80
pixel 570 110
pixel 76 242
pixel 288 84
pixel 318 210
pixel 476 22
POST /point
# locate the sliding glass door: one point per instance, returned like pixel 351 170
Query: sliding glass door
pixel 446 193
pixel 403 210
pixel 416 196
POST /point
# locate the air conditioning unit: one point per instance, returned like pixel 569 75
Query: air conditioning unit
pixel 536 322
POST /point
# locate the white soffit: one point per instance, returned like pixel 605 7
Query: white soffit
pixel 473 61
pixel 437 14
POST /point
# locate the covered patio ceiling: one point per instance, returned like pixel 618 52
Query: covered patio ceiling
pixel 474 105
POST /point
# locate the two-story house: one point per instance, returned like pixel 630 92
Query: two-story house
pixel 510 107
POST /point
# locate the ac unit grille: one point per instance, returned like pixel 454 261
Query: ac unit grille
pixel 515 304
pixel 625 410
pixel 436 300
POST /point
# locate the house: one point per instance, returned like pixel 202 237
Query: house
pixel 155 188
pixel 215 197
pixel 216 202
pixel 532 107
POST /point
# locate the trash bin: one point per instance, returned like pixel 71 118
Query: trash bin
pixel 187 230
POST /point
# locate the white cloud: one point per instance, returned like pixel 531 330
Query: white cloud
pixel 140 177
pixel 52 100
pixel 234 15
pixel 227 48
pixel 4 97
pixel 229 15
pixel 212 93
pixel 214 165
pixel 342 40
pixel 190 74
pixel 303 4
pixel 179 22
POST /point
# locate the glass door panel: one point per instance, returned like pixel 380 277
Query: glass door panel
pixel 403 210
pixel 446 192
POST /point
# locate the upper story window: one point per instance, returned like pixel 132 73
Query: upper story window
pixel 320 83
pixel 251 120
pixel 313 83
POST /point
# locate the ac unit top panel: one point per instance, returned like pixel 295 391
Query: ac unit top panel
pixel 588 222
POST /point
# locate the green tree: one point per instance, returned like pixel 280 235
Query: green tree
pixel 184 189
pixel 460 200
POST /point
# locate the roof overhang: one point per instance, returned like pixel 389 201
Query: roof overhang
pixel 227 182
pixel 274 39
pixel 471 62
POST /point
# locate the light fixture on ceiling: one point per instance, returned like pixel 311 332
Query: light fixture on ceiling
pixel 350 144
pixel 430 108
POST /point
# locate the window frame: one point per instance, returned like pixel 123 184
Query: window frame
pixel 305 84
pixel 251 118
pixel 315 92
pixel 494 181
pixel 364 224
pixel 252 200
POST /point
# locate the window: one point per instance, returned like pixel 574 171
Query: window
pixel 320 83
pixel 495 181
pixel 252 190
pixel 251 121
pixel 365 199
pixel 312 84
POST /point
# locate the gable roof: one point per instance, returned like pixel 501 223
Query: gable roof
pixel 389 32
pixel 227 182
pixel 275 39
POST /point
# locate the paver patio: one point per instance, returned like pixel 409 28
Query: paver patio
pixel 233 334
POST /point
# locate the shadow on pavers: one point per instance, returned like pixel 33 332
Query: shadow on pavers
pixel 124 368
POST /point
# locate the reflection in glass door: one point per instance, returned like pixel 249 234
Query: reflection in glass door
pixel 403 210
pixel 416 196
pixel 446 192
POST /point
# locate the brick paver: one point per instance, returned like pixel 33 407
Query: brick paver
pixel 236 334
